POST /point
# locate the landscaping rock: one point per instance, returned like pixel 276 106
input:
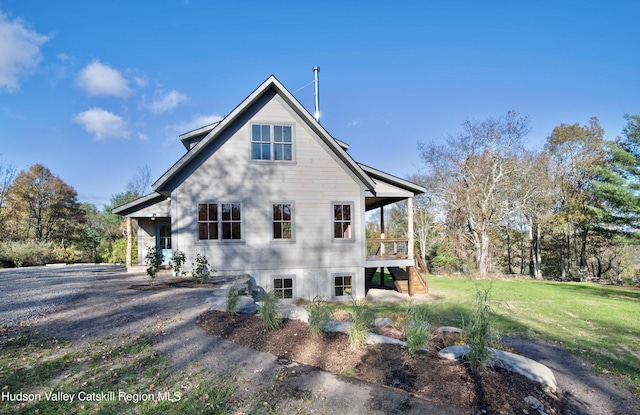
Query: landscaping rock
pixel 246 304
pixel 509 361
pixel 447 330
pixel 293 312
pixel 535 404
pixel 387 296
pixel 226 282
pixel 371 338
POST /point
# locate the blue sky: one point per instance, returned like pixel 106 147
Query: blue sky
pixel 94 90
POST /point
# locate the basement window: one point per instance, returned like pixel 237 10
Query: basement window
pixel 283 287
pixel 342 285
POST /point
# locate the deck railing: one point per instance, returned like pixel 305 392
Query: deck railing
pixel 388 248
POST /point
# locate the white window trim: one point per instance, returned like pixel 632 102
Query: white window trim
pixel 199 241
pixel 293 221
pixel 293 285
pixel 333 285
pixel 272 142
pixel 352 238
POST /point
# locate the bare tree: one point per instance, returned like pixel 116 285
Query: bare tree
pixel 140 184
pixel 471 172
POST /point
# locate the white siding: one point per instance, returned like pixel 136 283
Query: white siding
pixel 314 180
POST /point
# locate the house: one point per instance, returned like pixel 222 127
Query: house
pixel 268 192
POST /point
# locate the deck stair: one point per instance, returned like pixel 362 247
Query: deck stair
pixel 402 278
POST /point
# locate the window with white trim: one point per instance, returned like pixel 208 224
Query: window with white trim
pixel 342 221
pixel 219 221
pixel 342 285
pixel 283 287
pixel 282 218
pixel 271 142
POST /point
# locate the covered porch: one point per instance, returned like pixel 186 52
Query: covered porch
pixel 152 215
pixel 395 257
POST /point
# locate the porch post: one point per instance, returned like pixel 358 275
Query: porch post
pixel 411 247
pixel 381 230
pixel 129 242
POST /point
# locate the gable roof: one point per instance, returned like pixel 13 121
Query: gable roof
pixel 271 84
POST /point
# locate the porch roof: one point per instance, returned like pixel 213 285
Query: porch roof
pixel 149 206
pixel 388 189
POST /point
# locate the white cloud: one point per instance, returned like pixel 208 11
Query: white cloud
pixel 166 103
pixel 19 52
pixel 102 124
pixel 102 80
pixel 142 137
pixel 196 121
pixel 353 124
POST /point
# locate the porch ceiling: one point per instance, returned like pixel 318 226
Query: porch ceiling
pixel 371 203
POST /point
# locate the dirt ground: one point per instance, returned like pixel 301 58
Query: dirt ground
pixel 425 375
pixel 330 378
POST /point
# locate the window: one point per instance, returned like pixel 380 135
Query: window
pixel 271 142
pixel 342 285
pixel 282 221
pixel 207 221
pixel 342 221
pixel 219 221
pixel 283 287
pixel 164 236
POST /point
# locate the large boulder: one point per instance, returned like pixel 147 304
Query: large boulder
pixel 509 361
pixel 377 295
pixel 246 304
pixel 293 312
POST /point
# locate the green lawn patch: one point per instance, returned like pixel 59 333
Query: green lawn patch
pixel 123 376
pixel 598 322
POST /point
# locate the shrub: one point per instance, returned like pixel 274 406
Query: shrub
pixel 478 332
pixel 116 252
pixel 201 271
pixel 269 310
pixel 31 253
pixel 363 322
pixel 177 261
pixel 153 259
pixel 319 314
pixel 418 329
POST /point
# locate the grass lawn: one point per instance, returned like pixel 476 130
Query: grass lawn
pixel 598 322
pixel 52 376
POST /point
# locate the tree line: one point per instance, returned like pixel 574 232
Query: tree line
pixel 41 220
pixel 569 210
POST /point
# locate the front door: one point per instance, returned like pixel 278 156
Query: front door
pixel 163 241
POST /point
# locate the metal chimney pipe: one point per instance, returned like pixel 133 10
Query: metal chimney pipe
pixel 316 70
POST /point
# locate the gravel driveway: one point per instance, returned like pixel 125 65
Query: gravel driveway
pixel 86 303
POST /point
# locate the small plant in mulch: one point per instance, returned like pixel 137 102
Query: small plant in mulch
pixel 418 331
pixel 153 260
pixel 363 321
pixel 319 314
pixel 478 332
pixel 178 260
pixel 269 310
pixel 233 297
pixel 201 271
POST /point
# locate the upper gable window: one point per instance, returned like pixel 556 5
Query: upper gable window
pixel 271 142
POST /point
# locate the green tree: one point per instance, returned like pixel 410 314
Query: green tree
pixel 577 152
pixel 618 181
pixel 43 208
